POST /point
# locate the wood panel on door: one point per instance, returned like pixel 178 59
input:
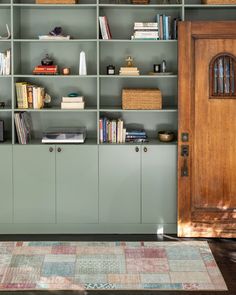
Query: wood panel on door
pixel 207 158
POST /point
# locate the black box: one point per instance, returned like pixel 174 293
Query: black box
pixel 1 131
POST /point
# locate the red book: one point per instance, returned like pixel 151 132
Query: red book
pixel 107 28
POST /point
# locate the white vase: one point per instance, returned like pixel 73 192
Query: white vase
pixel 82 64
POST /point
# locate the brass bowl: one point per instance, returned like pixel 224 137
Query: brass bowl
pixel 166 136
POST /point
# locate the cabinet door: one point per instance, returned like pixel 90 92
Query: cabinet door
pixel 159 184
pixel 6 184
pixel 119 184
pixel 34 184
pixel 77 184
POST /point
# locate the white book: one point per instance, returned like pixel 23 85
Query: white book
pixel 72 105
pixel 103 27
pixel 54 38
pixel 72 99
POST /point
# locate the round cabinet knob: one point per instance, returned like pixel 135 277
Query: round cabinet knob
pixel 145 149
pixel 137 149
pixel 59 150
pixel 51 149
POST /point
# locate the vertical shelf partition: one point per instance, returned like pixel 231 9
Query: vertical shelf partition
pixel 27 20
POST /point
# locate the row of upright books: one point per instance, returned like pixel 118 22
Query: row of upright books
pixel 5 62
pixel 113 131
pixel 167 26
pixel 29 96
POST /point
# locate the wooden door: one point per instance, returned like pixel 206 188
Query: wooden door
pixel 119 184
pixel 77 183
pixel 207 130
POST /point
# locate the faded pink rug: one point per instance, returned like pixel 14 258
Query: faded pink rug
pixel 108 265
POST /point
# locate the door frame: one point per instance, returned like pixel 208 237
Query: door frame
pixel 189 32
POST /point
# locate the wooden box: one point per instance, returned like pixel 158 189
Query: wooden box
pixel 218 1
pixel 57 1
pixel 141 99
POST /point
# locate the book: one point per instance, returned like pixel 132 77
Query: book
pixel 54 38
pixel 29 96
pixel 72 99
pixel 23 126
pixel 111 131
pixel 105 28
pixel 5 62
pixel 72 105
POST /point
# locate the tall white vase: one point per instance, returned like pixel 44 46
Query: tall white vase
pixel 82 64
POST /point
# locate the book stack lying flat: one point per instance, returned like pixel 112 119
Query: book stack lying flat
pixel 23 127
pixel 105 28
pixel 29 96
pixel 129 71
pixel 54 38
pixel 138 135
pixel 45 70
pixel 146 31
pixel 5 62
pixel 111 131
pixel 72 103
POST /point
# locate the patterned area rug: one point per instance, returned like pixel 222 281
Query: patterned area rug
pixel 108 265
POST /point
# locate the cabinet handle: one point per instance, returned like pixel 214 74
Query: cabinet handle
pixel 51 149
pixel 145 149
pixel 137 149
pixel 59 150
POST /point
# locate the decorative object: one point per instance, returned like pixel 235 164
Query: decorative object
pixel 141 99
pixel 65 71
pixel 129 69
pixel 46 67
pixel 223 2
pixel 156 68
pixel 82 64
pixel 140 1
pixel 166 136
pixel 55 34
pixel 129 61
pixel 163 66
pixel 47 61
pixel 57 1
pixel 110 70
pixel 8 34
pixel 181 265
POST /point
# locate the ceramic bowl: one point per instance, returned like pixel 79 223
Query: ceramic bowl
pixel 166 136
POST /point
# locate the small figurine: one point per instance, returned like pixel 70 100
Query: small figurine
pixel 47 61
pixel 129 61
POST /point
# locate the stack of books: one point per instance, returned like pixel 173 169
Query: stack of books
pixel 45 70
pixel 105 28
pixel 138 135
pixel 5 62
pixel 54 38
pixel 29 96
pixel 111 131
pixel 75 103
pixel 168 29
pixel 146 31
pixel 23 127
pixel 129 71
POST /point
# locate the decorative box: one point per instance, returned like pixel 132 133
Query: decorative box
pixel 141 99
pixel 57 1
pixel 218 1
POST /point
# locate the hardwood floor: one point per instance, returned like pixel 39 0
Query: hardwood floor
pixel 224 251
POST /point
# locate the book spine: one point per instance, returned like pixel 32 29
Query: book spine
pixel 101 130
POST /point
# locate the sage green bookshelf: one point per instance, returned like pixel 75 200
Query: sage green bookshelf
pixel 139 196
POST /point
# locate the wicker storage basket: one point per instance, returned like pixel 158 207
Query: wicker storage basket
pixel 141 99
pixel 218 1
pixel 140 1
pixel 57 1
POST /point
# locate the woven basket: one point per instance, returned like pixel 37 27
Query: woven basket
pixel 141 99
pixel 57 1
pixel 218 1
pixel 140 1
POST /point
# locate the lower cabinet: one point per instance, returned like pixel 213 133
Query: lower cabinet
pixel 159 184
pixel 77 184
pixel 34 184
pixel 119 184
pixel 6 197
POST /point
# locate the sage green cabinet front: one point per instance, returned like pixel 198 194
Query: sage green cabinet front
pixel 77 184
pixel 159 184
pixel 34 184
pixel 119 184
pixel 5 184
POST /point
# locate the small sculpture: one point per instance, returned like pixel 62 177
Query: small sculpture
pixel 8 34
pixel 47 61
pixel 82 64
pixel 129 61
pixel 57 31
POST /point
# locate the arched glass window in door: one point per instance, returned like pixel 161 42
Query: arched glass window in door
pixel 223 76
